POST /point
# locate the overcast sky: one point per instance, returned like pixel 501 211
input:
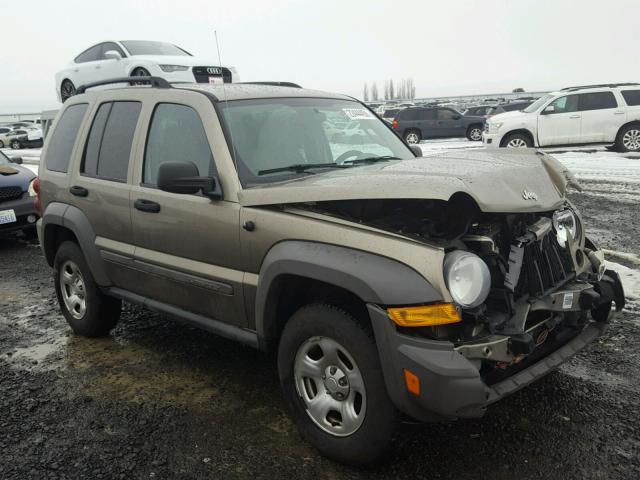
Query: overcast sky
pixel 451 47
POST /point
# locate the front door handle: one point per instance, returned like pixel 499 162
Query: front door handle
pixel 79 191
pixel 574 116
pixel 146 206
pixel 618 113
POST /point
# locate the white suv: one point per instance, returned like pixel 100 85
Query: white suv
pixel 596 114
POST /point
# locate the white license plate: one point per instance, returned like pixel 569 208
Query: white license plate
pixel 216 80
pixel 7 216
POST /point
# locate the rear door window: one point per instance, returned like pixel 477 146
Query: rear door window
pixel 108 147
pixel 446 114
pixel 410 114
pixel 632 97
pixel 597 101
pixel 64 137
pixel 176 134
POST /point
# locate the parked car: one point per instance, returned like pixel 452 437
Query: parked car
pixel 126 58
pixel 24 138
pixel 479 111
pixel 17 196
pixel 389 114
pixel 415 124
pixel 4 131
pixel 596 114
pixel 386 284
pixel 488 111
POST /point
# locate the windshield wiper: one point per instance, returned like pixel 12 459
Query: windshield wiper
pixel 383 158
pixel 301 167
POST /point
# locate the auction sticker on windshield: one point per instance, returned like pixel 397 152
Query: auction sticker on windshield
pixel 358 114
pixel 7 216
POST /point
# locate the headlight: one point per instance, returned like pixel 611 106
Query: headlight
pixel 565 221
pixel 32 191
pixel 467 278
pixel 173 68
pixel 494 127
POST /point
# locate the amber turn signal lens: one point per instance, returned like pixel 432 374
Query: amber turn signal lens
pixel 425 315
pixel 412 382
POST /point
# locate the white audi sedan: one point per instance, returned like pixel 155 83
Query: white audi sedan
pixel 143 58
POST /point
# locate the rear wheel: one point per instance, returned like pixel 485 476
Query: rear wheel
pixel 332 380
pixel 517 140
pixel 412 136
pixel 16 145
pixel 628 139
pixel 474 133
pixel 67 90
pixel 87 310
pixel 140 72
pixel 1 144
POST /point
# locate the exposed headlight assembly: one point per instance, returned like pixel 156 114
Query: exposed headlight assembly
pixel 565 223
pixel 467 277
pixel 173 68
pixel 32 191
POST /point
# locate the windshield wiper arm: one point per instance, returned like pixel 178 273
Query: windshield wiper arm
pixel 301 167
pixel 383 158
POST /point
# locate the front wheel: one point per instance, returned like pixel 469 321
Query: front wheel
pixel 517 140
pixel 629 139
pixel 88 311
pixel 67 90
pixel 16 145
pixel 412 137
pixel 332 381
pixel 474 133
pixel 140 72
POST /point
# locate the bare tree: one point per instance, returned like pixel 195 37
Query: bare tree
pixel 411 89
pixel 365 93
pixel 392 94
pixel 374 91
pixel 386 90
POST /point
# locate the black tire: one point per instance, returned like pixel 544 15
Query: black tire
pixel 102 312
pixel 1 144
pixel 412 136
pixel 16 145
pixel 628 138
pixel 474 133
pixel 139 72
pixel 517 138
pixel 373 437
pixel 67 90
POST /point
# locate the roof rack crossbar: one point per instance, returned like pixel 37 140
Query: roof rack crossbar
pixel 273 84
pixel 604 85
pixel 156 82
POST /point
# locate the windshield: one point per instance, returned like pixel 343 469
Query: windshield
pixel 538 103
pixel 145 47
pixel 276 133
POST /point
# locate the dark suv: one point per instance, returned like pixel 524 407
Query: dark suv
pixel 415 124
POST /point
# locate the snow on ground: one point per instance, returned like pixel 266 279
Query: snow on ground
pixel 630 280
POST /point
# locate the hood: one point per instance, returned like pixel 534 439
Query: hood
pixel 508 116
pixel 179 60
pixel 506 180
pixel 21 178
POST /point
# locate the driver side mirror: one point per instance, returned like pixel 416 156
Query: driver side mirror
pixel 417 151
pixel 184 178
pixel 112 55
pixel 16 160
pixel 549 109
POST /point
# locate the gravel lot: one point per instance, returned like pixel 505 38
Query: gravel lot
pixel 160 400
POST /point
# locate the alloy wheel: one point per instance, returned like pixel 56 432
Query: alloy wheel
pixel 412 138
pixel 73 289
pixel 517 143
pixel 330 385
pixel 67 90
pixel 15 145
pixel 631 140
pixel 475 134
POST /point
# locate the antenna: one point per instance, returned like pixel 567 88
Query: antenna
pixel 226 103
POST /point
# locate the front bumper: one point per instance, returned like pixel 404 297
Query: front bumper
pixel 24 207
pixel 491 139
pixel 451 385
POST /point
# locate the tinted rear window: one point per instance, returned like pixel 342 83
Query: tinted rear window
pixel 597 101
pixel 632 97
pixel 109 144
pixel 63 138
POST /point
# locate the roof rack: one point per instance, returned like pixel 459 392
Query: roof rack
pixel 273 84
pixel 157 82
pixel 604 85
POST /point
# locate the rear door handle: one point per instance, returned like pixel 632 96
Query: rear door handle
pixel 146 206
pixel 618 113
pixel 79 191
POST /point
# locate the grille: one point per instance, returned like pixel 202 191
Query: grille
pixel 545 266
pixel 202 75
pixel 10 193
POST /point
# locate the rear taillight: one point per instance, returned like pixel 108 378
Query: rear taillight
pixel 37 202
pixel 395 123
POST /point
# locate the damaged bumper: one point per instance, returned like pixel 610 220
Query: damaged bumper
pixel 452 386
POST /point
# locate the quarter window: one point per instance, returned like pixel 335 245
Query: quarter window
pixel 632 97
pixel 597 101
pixel 64 137
pixel 108 147
pixel 565 104
pixel 176 134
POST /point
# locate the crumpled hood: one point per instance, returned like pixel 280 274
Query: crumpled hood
pixel 499 181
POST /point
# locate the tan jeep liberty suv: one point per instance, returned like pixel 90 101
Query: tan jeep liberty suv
pixel 388 284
